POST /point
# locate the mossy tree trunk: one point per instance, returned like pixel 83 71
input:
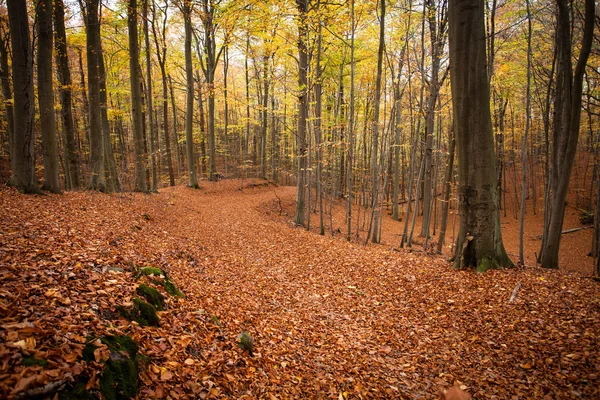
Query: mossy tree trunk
pixel 479 241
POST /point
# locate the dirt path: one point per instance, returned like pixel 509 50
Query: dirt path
pixel 329 319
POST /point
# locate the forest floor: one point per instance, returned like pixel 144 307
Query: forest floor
pixel 329 319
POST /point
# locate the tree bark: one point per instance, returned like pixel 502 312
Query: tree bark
pixel 149 102
pixel 65 95
pixel 22 72
pixel 96 179
pixel 376 212
pixel 302 110
pixel 136 100
pixel 7 93
pixel 567 106
pixel 479 241
pixel 43 13
pixel 189 74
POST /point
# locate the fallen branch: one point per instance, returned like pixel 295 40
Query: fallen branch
pixel 42 390
pixel 569 231
pixel 515 291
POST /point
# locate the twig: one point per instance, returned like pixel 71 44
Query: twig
pixel 569 230
pixel 513 296
pixel 42 390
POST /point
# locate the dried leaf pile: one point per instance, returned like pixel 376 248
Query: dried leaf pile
pixel 326 318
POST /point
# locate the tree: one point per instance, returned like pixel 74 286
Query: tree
pixel 479 240
pixel 149 102
pixel 43 12
pixel 23 165
pixel 302 110
pixel 161 54
pixel 189 111
pixel 5 86
pixel 65 96
pixel 376 217
pixel 567 109
pixel 136 99
pixel 92 29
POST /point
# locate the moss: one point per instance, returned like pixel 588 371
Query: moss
pixel 245 342
pixel 145 313
pixel 172 289
pixel 77 392
pixel 152 296
pixel 142 313
pixel 486 263
pixel 151 271
pixel 119 377
pixel 31 361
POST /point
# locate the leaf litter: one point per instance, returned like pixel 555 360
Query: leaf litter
pixel 326 318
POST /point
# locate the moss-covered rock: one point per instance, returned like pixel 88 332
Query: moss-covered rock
pixel 119 379
pixel 142 312
pixel 172 289
pixel 152 296
pixel 151 271
pixel 77 391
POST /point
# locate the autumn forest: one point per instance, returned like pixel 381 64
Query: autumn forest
pixel 343 199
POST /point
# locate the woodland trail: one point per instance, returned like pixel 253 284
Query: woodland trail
pixel 329 319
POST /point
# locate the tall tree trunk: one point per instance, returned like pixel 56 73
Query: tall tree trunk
pixel 264 118
pixel 447 190
pixel 375 206
pixel 161 54
pixel 65 95
pixel 43 13
pixel 92 28
pixel 525 135
pixel 479 240
pixel 149 103
pixel 136 100
pixel 110 168
pixel 7 93
pixel 22 71
pixel 209 67
pixel 189 111
pixel 318 93
pixel 437 44
pixel 349 171
pixel 302 110
pixel 567 106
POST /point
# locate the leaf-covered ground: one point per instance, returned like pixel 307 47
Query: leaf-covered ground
pixel 329 319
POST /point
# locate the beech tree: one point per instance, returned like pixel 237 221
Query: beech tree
pixel 567 110
pixel 136 99
pixel 479 241
pixel 23 174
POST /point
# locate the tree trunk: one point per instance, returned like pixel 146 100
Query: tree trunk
pixel 22 71
pixel 447 190
pixel 65 95
pixel 189 111
pixel 349 171
pixel 525 135
pixel 149 103
pixel 7 93
pixel 302 110
pixel 376 212
pixel 161 54
pixel 479 240
pixel 43 13
pixel 567 106
pixel 92 28
pixel 136 100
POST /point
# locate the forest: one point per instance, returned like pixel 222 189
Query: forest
pixel 341 199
